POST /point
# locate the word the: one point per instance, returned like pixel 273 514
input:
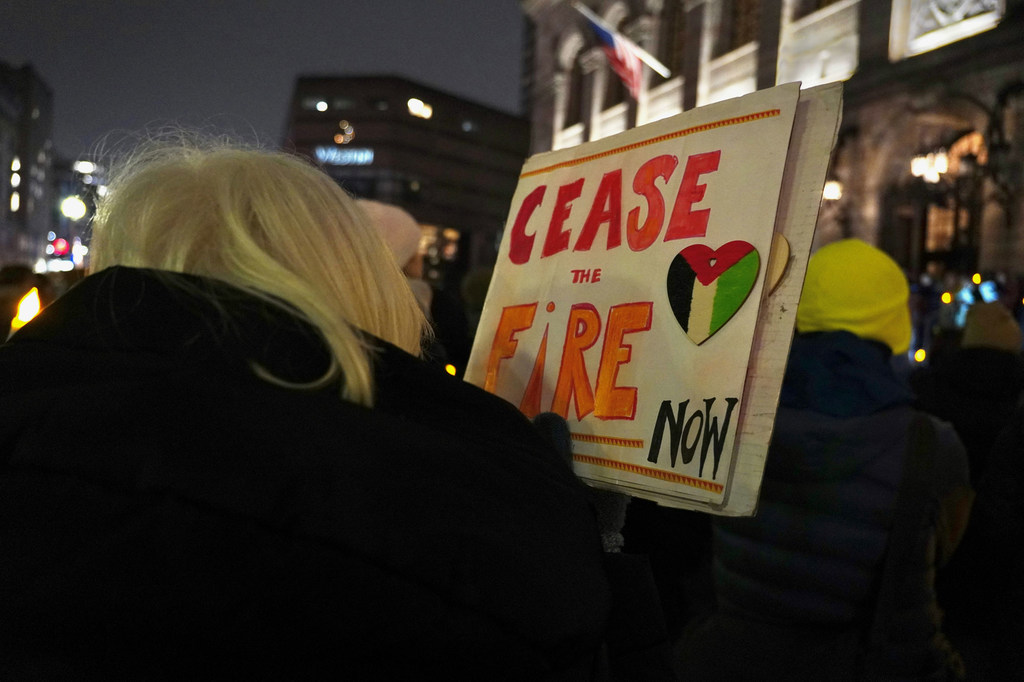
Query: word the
pixel 606 400
pixel 606 209
pixel 584 276
pixel 687 433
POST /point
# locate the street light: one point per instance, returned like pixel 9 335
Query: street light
pixel 73 207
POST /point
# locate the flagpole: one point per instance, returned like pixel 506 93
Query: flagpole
pixel 643 54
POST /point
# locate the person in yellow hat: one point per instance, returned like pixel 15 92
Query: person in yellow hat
pixel 803 584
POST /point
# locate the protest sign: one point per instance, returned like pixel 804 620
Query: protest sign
pixel 635 293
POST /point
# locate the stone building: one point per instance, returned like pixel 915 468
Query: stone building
pixel 933 84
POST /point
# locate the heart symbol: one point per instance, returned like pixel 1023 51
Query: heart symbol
pixel 707 286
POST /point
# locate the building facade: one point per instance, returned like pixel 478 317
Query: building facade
pixel 453 164
pixel 26 158
pixel 930 154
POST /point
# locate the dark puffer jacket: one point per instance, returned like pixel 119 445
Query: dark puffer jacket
pixel 806 567
pixel 164 513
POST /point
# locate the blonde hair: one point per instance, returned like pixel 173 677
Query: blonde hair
pixel 272 224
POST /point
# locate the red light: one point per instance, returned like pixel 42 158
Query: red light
pixel 61 247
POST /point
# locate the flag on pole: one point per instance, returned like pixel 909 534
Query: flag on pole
pixel 624 56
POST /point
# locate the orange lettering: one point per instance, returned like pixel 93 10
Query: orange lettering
pixel 619 402
pixel 581 333
pixel 513 319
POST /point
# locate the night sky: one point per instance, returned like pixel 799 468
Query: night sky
pixel 230 65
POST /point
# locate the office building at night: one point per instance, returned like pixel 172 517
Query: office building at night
pixel 26 159
pixel 453 164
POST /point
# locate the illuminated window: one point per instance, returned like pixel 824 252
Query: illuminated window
pixel 922 25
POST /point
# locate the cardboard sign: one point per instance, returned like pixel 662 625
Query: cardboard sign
pixel 631 285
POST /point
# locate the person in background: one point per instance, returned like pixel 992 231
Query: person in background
pixel 977 389
pixel 221 457
pixel 451 342
pixel 863 496
pixel 979 385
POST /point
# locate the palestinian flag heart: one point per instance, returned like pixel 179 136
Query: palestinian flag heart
pixel 707 286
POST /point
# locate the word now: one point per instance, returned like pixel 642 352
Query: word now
pixel 606 400
pixel 686 433
pixel 606 209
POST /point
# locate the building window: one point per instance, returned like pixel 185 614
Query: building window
pixel 739 24
pixel 805 7
pixel 574 95
pixel 922 25
pixel 673 35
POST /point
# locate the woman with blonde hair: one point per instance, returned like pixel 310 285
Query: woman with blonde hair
pixel 220 456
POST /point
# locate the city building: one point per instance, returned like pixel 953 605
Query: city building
pixel 929 159
pixel 26 161
pixel 453 164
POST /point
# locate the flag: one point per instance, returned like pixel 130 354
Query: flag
pixel 621 54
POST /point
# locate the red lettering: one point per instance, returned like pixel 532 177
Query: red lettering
pixel 607 208
pixel 520 243
pixel 640 237
pixel 557 239
pixel 685 222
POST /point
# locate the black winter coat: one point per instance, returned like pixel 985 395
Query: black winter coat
pixel 164 513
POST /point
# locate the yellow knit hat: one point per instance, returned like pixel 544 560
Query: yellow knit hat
pixel 852 286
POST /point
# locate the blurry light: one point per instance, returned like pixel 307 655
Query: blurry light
pixel 976 278
pixel 833 190
pixel 88 179
pixel 101 190
pixel 941 161
pixel 450 369
pixel 73 207
pixel 61 246
pixel 28 307
pixel 49 249
pixel 84 167
pixel 16 164
pixel 339 139
pixel 321 106
pixel 419 108
pixel 51 235
pixel 15 201
pixel 78 251
pixel 59 265
pixel 918 166
pixel 919 355
pixel 15 180
pixel 947 297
